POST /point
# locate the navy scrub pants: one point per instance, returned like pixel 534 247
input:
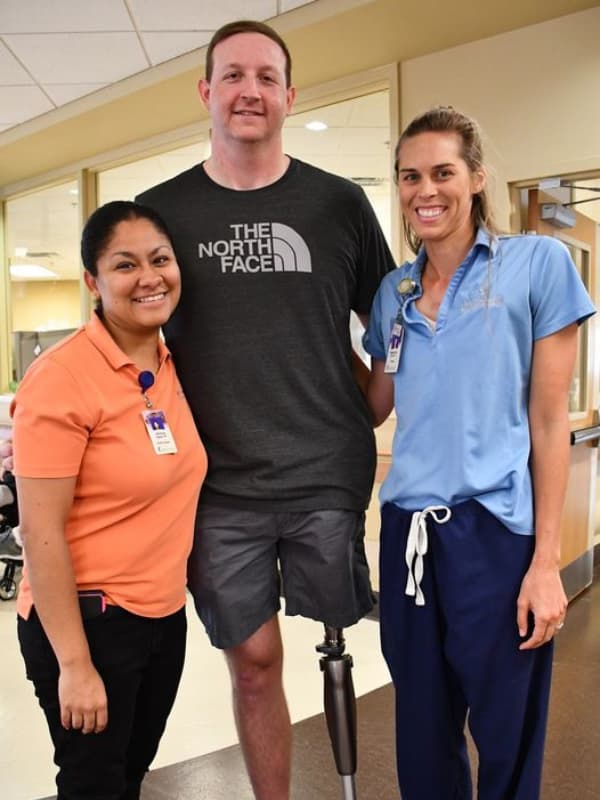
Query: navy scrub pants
pixel 459 653
pixel 140 661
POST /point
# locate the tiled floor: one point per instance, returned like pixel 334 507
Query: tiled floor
pixel 199 760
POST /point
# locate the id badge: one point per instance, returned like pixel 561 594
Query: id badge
pixel 159 432
pixel 392 360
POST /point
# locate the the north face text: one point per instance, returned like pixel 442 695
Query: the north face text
pixel 259 247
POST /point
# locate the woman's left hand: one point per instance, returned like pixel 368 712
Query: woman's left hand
pixel 543 595
pixel 82 698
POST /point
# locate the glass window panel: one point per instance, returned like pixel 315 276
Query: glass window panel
pixel 42 245
pixel 128 180
pixel 578 388
pixel 351 139
pixel 355 144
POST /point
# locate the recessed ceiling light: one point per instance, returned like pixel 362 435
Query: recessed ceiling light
pixel 73 191
pixel 316 125
pixel 31 272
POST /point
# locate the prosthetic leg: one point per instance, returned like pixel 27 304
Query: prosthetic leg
pixel 340 706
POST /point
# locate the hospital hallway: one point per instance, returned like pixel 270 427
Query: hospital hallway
pixel 199 760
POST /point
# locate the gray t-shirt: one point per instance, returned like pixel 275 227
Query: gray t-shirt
pixel 261 335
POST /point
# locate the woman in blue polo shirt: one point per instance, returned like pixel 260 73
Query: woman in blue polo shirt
pixel 474 343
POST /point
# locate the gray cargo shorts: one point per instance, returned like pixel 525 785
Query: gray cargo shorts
pixel 238 557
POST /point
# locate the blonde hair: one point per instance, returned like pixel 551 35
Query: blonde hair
pixel 445 119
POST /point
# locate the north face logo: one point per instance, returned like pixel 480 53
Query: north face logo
pixel 260 247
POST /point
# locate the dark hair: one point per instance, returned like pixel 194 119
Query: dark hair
pixel 445 119
pixel 100 227
pixel 247 26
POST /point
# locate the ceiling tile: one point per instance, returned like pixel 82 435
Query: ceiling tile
pixel 11 72
pixel 18 103
pixel 85 58
pixel 65 92
pixel 163 46
pixel 41 16
pixel 185 15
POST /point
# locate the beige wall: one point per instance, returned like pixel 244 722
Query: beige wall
pixel 44 305
pixel 535 92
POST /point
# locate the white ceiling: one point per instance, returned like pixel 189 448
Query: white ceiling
pixel 54 51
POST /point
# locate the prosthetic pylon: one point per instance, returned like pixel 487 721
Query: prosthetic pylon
pixel 340 706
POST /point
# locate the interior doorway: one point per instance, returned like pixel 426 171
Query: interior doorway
pixel 560 207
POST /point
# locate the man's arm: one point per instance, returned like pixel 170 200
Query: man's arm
pixel 380 392
pixel 377 387
pixel 360 371
pixel 542 592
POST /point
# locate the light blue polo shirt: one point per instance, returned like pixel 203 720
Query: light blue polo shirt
pixel 461 390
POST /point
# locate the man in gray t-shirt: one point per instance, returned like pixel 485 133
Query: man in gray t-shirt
pixel 274 254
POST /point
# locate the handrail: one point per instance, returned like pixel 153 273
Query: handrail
pixel 586 435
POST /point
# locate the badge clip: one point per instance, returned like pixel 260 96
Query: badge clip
pixel 406 286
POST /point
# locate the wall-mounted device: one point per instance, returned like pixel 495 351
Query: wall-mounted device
pixel 558 215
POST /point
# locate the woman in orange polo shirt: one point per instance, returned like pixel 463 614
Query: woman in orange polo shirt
pixel 109 466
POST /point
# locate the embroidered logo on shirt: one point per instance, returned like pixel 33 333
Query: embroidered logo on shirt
pixel 481 297
pixel 259 247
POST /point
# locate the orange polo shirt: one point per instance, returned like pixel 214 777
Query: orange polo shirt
pixel 78 412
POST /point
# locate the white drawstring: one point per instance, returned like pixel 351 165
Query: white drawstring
pixel 416 547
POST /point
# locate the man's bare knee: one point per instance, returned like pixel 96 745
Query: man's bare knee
pixel 256 664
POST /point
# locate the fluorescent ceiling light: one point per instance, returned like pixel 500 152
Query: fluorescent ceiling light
pixel 316 125
pixel 31 272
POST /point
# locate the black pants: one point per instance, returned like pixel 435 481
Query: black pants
pixel 140 661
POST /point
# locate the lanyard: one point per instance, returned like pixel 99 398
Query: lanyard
pixel 405 288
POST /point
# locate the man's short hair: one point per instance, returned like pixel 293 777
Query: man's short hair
pixel 247 26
